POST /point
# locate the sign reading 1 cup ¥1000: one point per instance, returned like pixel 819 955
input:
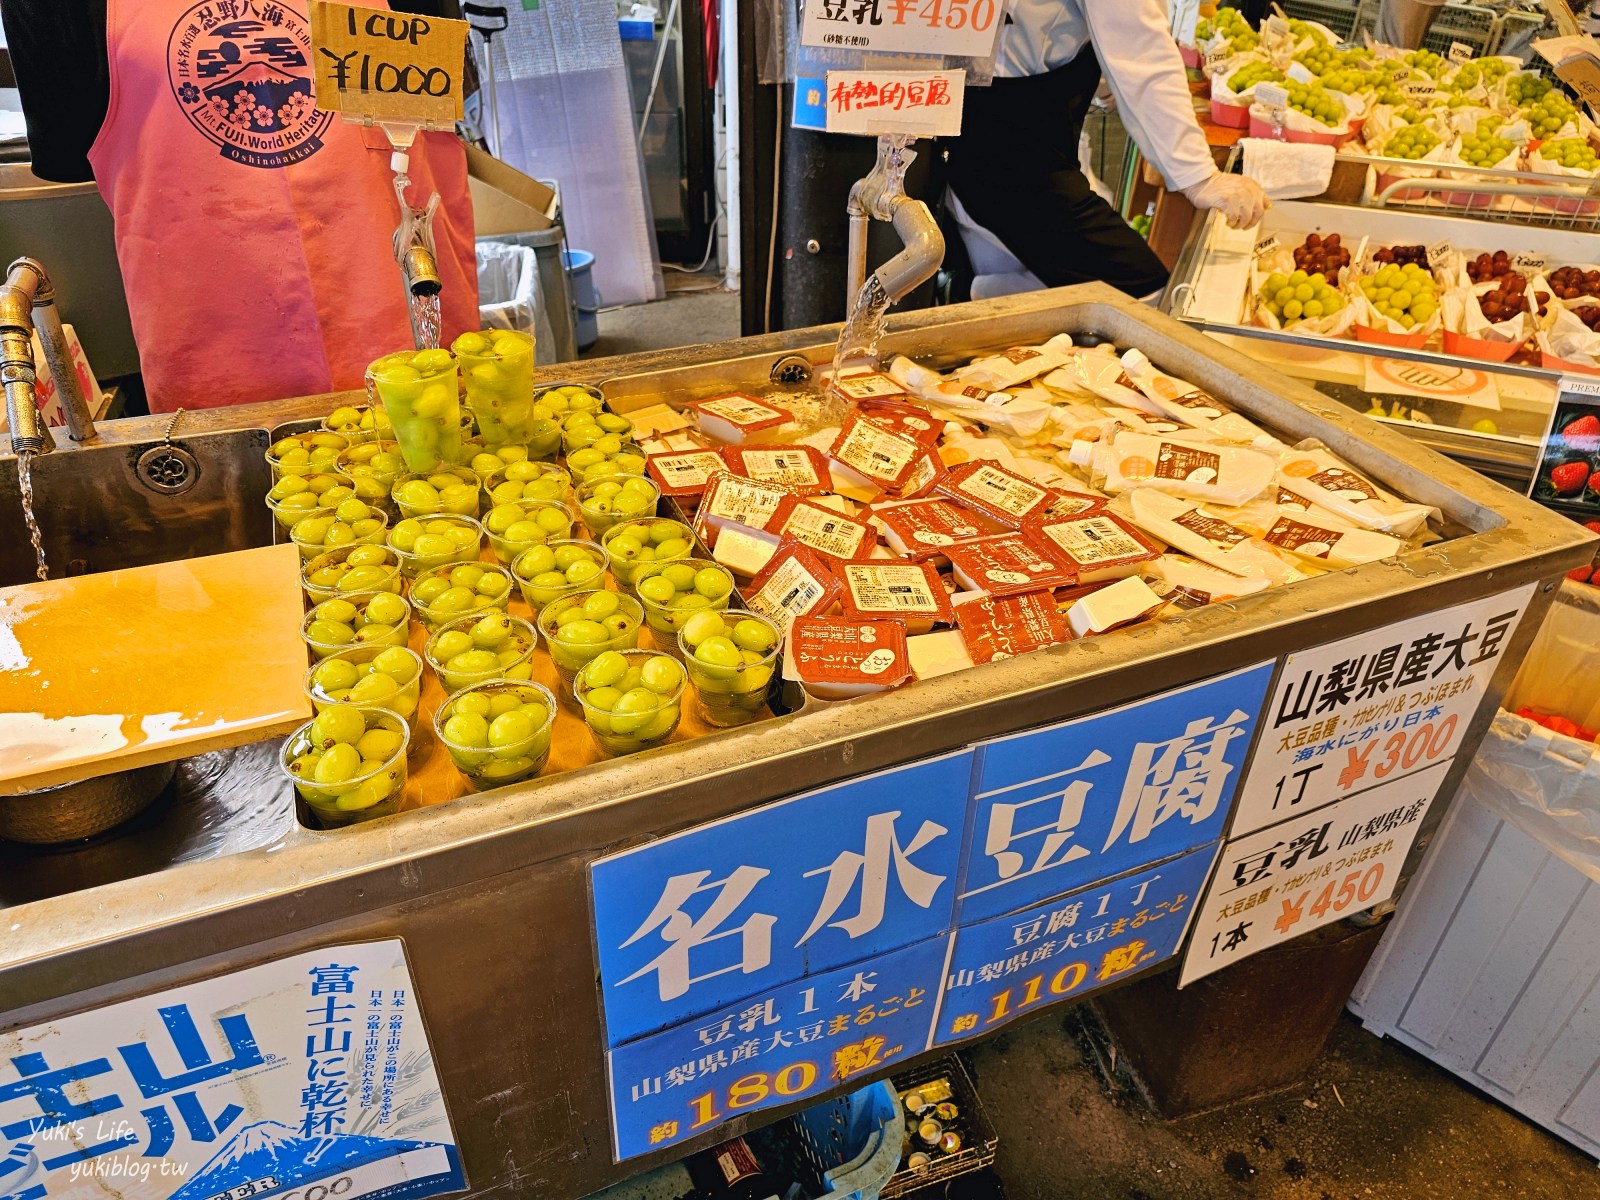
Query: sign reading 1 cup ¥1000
pixel 387 66
pixel 309 1076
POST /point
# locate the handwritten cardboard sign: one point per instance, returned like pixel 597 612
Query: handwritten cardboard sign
pixel 372 63
pixel 923 103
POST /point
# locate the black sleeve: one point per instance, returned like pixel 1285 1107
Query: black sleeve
pixel 58 53
pixel 428 8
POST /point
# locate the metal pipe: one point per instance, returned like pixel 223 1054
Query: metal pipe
pixel 856 255
pixel 881 194
pixel 57 355
pixel 27 302
pixel 924 249
pixel 421 271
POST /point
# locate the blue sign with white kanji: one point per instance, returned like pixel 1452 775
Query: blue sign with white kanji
pixel 791 1042
pixel 1062 807
pixel 1069 947
pixel 692 923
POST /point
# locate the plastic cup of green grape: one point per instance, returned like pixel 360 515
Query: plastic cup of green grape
pixel 497 732
pixel 448 593
pixel 631 699
pixel 564 398
pixel 360 619
pixel 583 429
pixel 731 658
pixel 550 570
pixel 483 459
pixel 479 647
pixel 348 764
pixel 579 626
pixel 606 458
pixel 673 591
pixel 422 543
pixel 515 526
pixel 357 423
pixel 374 467
pixel 305 453
pixel 295 496
pixel 527 481
pixel 632 544
pixel 419 393
pixel 443 490
pixel 388 677
pixel 353 523
pixel 497 370
pixel 612 500
pixel 351 570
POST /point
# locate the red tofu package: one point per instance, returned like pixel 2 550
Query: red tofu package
pixel 1003 627
pixel 803 469
pixel 1002 495
pixel 875 452
pixel 922 529
pixel 734 417
pixel 901 591
pixel 1098 546
pixel 683 474
pixel 826 531
pixel 732 500
pixel 1008 564
pixel 794 583
pixel 835 659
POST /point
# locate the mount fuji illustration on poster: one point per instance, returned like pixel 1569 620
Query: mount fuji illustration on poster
pixel 311 1075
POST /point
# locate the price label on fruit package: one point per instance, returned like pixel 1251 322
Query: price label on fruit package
pixel 1568 475
pixel 960 28
pixel 1418 89
pixel 1272 95
pixel 387 66
pixel 1460 52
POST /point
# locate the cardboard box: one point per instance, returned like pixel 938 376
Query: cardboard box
pixel 504 200
pixel 45 385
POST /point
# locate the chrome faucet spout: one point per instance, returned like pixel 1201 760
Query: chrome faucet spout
pixel 28 303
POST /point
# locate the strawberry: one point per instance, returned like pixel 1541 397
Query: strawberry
pixel 1583 434
pixel 1569 477
pixel 1581 574
pixel 1562 725
pixel 1592 526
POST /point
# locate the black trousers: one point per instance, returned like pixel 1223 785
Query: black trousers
pixel 1015 170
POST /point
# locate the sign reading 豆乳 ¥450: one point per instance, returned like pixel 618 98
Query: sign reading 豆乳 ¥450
pixel 1373 708
pixel 310 1072
pixel 963 28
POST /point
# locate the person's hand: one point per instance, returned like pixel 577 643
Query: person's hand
pixel 1239 199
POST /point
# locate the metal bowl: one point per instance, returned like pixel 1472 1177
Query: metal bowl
pixel 70 812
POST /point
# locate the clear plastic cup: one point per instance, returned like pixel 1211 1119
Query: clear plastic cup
pixel 447 489
pixel 375 569
pixel 288 500
pixel 419 390
pixel 541 481
pixel 497 752
pixel 731 680
pixel 305 453
pixel 599 625
pixel 448 593
pixel 602 460
pixel 483 458
pixel 547 572
pixel 374 468
pixel 624 713
pixel 323 529
pixel 358 423
pixel 324 636
pixel 497 369
pixel 632 544
pixel 671 592
pixel 373 786
pixel 508 657
pixel 603 503
pixel 422 543
pixel 387 677
pixel 580 430
pixel 564 398
pixel 515 526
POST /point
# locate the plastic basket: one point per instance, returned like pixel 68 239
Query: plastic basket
pixel 1464 23
pixel 846 1148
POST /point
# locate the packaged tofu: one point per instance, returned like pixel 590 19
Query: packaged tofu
pixel 829 532
pixel 909 592
pixel 1183 524
pixel 802 469
pixel 1117 604
pixel 683 475
pixel 921 529
pixel 999 494
pixel 1324 480
pixel 935 654
pixel 1017 365
pixel 856 384
pixel 1007 564
pixel 1328 543
pixel 743 550
pixel 730 499
pixel 875 452
pixel 1198 582
pixel 1097 547
pixel 1003 627
pixel 836 659
pixel 1183 401
pixel 905 418
pixel 1209 471
pixel 734 417
pixel 794 583
pixel 926 475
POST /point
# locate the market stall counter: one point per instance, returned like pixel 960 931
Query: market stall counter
pixel 545 987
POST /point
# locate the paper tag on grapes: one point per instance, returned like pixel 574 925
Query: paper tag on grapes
pixel 1272 95
pixel 1437 251
pixel 1266 246
pixel 1215 57
pixel 1528 262
pixel 1300 73
pixel 1460 52
pixel 1275 26
pixel 1417 89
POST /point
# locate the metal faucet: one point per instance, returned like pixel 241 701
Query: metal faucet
pixel 882 194
pixel 27 302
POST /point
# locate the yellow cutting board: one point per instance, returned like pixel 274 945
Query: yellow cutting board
pixel 102 673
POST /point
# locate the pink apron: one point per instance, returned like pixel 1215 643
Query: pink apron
pixel 253 229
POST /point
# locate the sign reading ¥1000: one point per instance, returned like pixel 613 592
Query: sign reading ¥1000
pixel 758 960
pixel 370 62
pixel 311 1075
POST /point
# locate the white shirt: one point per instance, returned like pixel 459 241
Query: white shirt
pixel 1139 60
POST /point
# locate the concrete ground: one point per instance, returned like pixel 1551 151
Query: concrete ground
pixel 696 309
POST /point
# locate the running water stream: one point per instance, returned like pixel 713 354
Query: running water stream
pixel 25 484
pixel 863 329
pixel 425 321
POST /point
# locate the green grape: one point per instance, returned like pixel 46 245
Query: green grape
pixel 1484 149
pixel 1251 74
pixel 1572 153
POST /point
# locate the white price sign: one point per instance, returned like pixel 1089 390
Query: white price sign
pixel 963 28
pixel 922 103
pixel 1309 872
pixel 1370 709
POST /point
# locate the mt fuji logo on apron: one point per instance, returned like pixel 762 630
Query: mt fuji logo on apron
pixel 239 70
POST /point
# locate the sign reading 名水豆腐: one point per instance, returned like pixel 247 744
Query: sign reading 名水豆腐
pixel 1068 947
pixel 1308 872
pixel 1062 807
pixel 1372 708
pixel 961 28
pixel 312 1072
pixel 919 103
pixel 387 66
